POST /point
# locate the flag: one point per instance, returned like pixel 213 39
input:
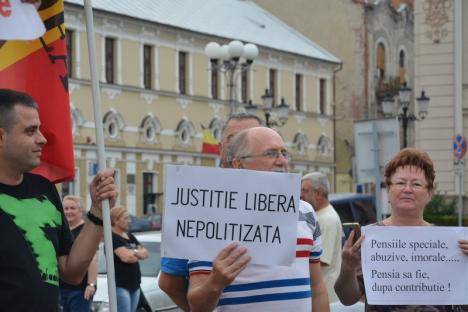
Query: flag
pixel 210 145
pixel 39 68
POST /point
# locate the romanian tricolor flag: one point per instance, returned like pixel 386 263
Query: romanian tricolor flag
pixel 39 68
pixel 210 145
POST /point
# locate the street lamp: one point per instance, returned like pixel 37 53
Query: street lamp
pixel 281 111
pixel 404 99
pixel 231 66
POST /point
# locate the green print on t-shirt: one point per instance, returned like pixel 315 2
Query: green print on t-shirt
pixel 32 215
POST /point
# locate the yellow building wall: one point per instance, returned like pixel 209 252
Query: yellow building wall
pixel 311 84
pixel 200 74
pixel 286 83
pixel 167 67
pixel 260 83
pixel 131 62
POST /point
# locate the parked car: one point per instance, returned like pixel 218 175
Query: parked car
pixel 151 222
pixel 138 224
pixel 156 299
pixel 354 207
pixel 155 220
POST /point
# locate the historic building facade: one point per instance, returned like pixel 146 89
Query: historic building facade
pixel 374 40
pixel 157 90
pixel 441 69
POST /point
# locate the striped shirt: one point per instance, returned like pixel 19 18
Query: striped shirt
pixel 274 288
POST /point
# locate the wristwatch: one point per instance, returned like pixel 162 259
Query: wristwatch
pixel 91 284
pixel 135 252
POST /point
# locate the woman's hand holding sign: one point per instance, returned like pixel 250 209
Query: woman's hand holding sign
pixel 352 252
pixel 348 274
pixel 463 243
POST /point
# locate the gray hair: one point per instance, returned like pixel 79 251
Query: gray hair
pixel 319 182
pixel 238 146
pixel 8 100
pixel 242 116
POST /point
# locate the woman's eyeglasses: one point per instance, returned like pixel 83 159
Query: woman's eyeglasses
pixel 414 185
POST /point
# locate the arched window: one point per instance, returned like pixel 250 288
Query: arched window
pixel 323 145
pixel 216 127
pixel 185 132
pixel 150 129
pixel 113 124
pixel 380 60
pixel 77 120
pixel 402 70
pixel 300 143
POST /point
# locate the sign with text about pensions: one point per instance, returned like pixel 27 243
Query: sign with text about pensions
pixel 207 208
pixel 421 265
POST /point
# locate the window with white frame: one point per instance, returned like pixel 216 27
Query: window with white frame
pixel 185 132
pixel 183 72
pixel 324 145
pixel 401 69
pixel 214 79
pixel 300 143
pixel 70 37
pixel 72 187
pixel 380 61
pixel 148 66
pixel 216 127
pixel 272 84
pixel 110 59
pixel 322 96
pixel 150 129
pixel 113 124
pixel 298 92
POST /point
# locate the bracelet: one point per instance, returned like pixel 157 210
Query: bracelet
pixel 91 285
pixel 94 219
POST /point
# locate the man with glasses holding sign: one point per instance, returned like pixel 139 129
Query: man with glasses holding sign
pixel 230 282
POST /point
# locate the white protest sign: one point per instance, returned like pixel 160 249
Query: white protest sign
pixel 207 208
pixel 19 21
pixel 414 265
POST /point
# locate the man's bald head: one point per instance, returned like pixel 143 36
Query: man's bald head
pixel 258 148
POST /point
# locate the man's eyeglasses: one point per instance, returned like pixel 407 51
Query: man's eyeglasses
pixel 272 154
pixel 414 185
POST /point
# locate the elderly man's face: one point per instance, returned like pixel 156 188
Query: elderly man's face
pixel 265 151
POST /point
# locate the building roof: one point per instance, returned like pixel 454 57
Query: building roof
pixel 232 19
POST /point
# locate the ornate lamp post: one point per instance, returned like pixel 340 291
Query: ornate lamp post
pixel 404 100
pixel 281 111
pixel 232 65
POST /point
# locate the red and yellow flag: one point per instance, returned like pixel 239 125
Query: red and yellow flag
pixel 210 145
pixel 39 68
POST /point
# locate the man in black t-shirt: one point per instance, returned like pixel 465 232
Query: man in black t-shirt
pixel 37 247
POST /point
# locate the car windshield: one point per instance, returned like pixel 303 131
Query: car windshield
pixel 149 267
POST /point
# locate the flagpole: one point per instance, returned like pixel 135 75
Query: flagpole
pixel 101 155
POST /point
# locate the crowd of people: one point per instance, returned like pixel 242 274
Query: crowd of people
pixel 49 250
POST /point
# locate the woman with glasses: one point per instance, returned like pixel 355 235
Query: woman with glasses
pixel 409 178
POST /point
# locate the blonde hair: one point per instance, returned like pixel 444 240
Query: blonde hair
pixel 76 199
pixel 116 214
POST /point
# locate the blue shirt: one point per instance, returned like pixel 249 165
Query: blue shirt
pixel 173 266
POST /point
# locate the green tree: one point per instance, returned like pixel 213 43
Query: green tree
pixel 440 206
